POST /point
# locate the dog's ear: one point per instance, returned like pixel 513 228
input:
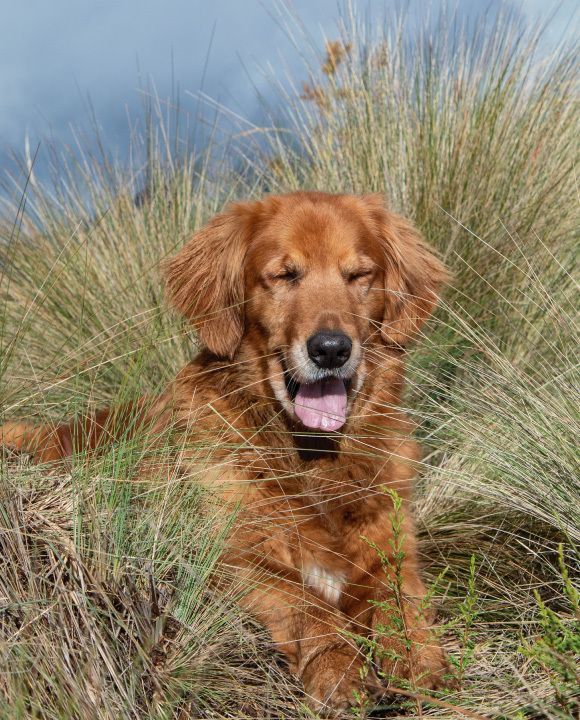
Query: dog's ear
pixel 414 276
pixel 205 280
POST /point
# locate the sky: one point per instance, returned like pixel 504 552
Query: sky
pixel 61 60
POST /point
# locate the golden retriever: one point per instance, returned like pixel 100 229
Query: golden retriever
pixel 304 304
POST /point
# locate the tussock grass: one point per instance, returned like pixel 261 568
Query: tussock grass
pixel 105 610
pixel 92 625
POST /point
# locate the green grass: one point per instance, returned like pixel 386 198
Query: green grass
pixel 105 610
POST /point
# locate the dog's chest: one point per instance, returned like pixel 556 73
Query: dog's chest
pixel 331 506
pixel 331 553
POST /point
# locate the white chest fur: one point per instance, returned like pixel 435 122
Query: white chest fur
pixel 324 582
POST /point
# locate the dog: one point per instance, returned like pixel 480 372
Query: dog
pixel 304 305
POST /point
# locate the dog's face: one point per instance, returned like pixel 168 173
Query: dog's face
pixel 315 293
pixel 314 282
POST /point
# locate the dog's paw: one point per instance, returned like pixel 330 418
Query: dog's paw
pixel 332 681
pixel 424 665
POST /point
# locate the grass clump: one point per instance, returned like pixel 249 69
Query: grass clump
pixel 105 610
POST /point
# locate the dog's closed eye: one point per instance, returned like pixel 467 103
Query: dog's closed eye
pixel 288 274
pixel 362 274
pixel 363 269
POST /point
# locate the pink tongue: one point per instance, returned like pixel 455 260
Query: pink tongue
pixel 322 404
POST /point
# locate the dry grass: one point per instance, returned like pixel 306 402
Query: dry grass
pixel 105 610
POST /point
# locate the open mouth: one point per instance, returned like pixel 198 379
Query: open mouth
pixel 320 405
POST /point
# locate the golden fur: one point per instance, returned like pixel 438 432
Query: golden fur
pixel 257 281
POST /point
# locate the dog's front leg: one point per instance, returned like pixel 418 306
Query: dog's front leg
pixel 408 648
pixel 389 602
pixel 308 632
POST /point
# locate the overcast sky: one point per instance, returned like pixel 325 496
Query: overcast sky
pixel 56 54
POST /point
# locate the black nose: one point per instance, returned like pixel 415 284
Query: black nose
pixel 329 349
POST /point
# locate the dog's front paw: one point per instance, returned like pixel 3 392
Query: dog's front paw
pixel 332 680
pixel 421 662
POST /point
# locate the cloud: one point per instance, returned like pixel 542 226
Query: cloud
pixel 56 55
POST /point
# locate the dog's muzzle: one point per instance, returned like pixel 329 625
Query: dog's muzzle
pixel 320 394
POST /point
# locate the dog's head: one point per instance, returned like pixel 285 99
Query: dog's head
pixel 314 282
